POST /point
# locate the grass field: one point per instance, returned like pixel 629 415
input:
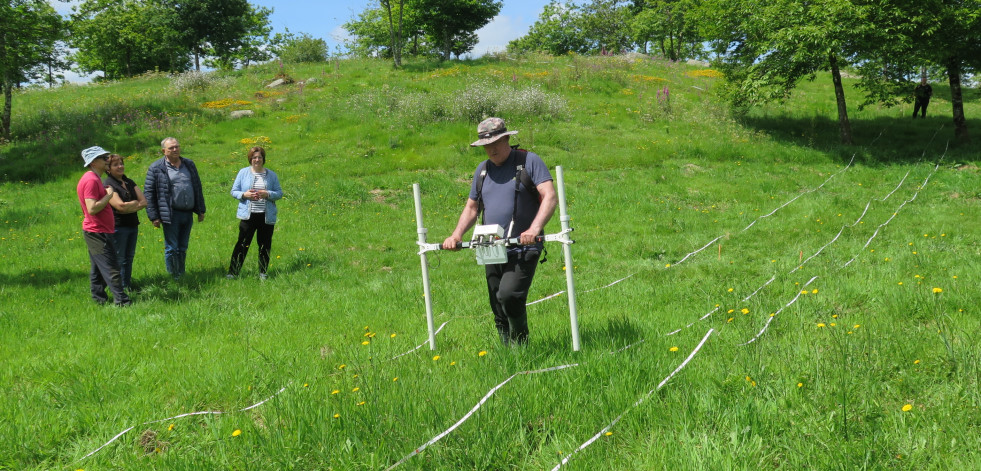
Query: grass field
pixel 848 269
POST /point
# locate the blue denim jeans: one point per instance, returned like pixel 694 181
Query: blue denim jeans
pixel 125 238
pixel 177 234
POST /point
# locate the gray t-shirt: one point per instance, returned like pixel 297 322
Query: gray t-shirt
pixel 498 193
pixel 181 189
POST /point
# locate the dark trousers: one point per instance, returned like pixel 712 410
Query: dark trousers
pixel 507 286
pixel 125 241
pixel 920 103
pixel 246 230
pixel 105 268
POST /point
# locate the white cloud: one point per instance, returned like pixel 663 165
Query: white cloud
pixel 497 34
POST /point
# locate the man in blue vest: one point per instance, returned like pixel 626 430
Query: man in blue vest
pixel 513 189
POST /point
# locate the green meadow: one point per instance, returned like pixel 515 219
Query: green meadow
pixel 851 271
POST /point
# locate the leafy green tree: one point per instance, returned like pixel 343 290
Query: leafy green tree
pixel 933 34
pixel 293 49
pixel 668 25
pixel 253 45
pixel 558 31
pixel 28 36
pixel 447 21
pixel 607 24
pixel 765 49
pixel 218 27
pixel 123 38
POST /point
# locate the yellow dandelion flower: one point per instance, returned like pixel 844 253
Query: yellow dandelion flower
pixel 667 265
pixel 748 378
pixel 814 291
pixel 608 434
pixel 744 311
pixel 436 358
pixel 900 282
pixel 361 403
pixel 170 428
pixel 392 336
pixel 820 324
pixel 365 342
pixel 395 379
pixel 452 363
pixel 236 433
pixel 730 290
pixel 337 416
pixel 365 327
pixel 306 385
pixel 356 389
pixel 907 408
pixel 937 290
pixel 729 320
pixel 730 311
pixel 482 353
pixel 803 292
pixel 833 324
pixel 336 391
pixel 341 366
pixel 917 362
pixel 800 385
pixel 834 316
pixel 673 349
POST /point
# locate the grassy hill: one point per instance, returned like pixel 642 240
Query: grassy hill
pixel 850 270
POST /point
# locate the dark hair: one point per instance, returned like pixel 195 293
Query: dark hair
pixel 252 152
pixel 113 157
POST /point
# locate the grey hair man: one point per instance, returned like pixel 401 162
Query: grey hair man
pixel 512 188
pixel 174 194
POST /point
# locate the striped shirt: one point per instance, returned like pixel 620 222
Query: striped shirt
pixel 259 206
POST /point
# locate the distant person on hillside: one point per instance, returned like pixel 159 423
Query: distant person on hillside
pixel 98 226
pixel 256 188
pixel 126 201
pixel 513 189
pixel 173 195
pixel 922 94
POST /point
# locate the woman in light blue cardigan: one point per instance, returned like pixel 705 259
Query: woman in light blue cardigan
pixel 256 188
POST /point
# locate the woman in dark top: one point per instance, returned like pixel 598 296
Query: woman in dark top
pixel 126 201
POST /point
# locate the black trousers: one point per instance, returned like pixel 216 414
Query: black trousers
pixel 920 103
pixel 105 269
pixel 246 231
pixel 507 286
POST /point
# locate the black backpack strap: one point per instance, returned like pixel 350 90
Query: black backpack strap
pixel 481 174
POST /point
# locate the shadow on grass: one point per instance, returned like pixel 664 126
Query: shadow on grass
pixel 881 141
pixel 618 333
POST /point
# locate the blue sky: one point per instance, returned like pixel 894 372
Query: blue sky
pixel 324 19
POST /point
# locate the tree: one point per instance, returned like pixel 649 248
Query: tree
pixel 291 48
pixel 447 21
pixel 123 38
pixel 943 34
pixel 765 49
pixel 27 41
pixel 210 26
pixel 395 28
pixel 253 45
pixel 558 31
pixel 606 24
pixel 669 25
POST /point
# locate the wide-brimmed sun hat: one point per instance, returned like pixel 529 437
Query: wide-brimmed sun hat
pixel 92 153
pixel 490 130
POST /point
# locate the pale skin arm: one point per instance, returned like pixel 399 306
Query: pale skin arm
pixel 545 211
pixel 128 206
pixel 96 206
pixel 467 219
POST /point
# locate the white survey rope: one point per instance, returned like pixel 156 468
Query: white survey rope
pixel 774 315
pixel 421 344
pixel 637 403
pixel 210 412
pixel 474 410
